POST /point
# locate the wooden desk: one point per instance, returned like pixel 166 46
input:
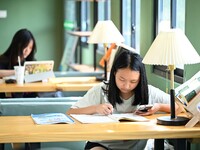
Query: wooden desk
pixel 17 129
pixel 28 87
pixel 74 83
pixel 75 87
pixel 55 84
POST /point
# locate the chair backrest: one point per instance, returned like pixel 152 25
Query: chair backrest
pixel 28 106
pixel 68 53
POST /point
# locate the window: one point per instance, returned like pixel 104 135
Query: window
pixel 105 6
pixel 85 19
pixel 130 22
pixel 169 14
pixel 103 11
pixel 77 18
pixel 80 16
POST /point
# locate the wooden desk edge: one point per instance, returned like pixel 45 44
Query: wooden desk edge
pixel 27 131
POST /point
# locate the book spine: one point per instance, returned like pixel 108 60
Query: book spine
pixel 190 95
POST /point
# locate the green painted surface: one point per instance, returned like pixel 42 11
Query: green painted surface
pixel 45 20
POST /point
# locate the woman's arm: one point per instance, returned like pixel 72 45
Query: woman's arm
pixel 158 107
pixel 4 73
pixel 165 107
pixel 105 109
pixel 161 108
pixel 87 110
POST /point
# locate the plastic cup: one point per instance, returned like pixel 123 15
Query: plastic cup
pixel 19 74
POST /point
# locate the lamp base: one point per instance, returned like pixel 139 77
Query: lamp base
pixel 177 121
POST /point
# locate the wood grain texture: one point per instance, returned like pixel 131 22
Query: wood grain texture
pixel 16 129
pixel 61 84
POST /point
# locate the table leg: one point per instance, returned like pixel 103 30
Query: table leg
pixel 159 144
pixel 180 144
pixel 32 146
pixel 188 145
pixel 1 146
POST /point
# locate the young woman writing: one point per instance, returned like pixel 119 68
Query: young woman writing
pixel 126 89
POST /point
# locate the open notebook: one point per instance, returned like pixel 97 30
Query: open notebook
pixel 109 118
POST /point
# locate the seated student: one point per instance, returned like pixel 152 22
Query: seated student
pixel 126 89
pixel 23 45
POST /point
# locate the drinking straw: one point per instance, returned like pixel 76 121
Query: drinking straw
pixel 19 61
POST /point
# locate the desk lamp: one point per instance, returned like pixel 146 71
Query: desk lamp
pixel 171 48
pixel 105 32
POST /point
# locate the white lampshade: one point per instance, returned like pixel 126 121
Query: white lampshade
pixel 171 47
pixel 105 32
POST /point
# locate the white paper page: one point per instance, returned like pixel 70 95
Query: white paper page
pixel 128 115
pixel 92 118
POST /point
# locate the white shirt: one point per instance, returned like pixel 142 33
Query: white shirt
pixel 94 97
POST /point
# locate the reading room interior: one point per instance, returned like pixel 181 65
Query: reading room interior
pixel 81 39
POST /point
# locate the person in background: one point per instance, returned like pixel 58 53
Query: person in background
pixel 23 45
pixel 126 89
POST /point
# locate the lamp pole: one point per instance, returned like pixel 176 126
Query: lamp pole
pixel 172 92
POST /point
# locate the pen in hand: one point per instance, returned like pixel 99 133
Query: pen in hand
pixel 110 107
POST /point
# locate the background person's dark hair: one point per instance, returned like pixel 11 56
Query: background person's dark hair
pixel 128 59
pixel 20 40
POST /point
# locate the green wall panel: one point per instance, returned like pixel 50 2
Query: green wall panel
pixel 192 31
pixel 45 20
pixel 146 39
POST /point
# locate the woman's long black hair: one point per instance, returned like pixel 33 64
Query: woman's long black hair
pixel 128 59
pixel 20 40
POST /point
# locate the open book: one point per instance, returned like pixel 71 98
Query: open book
pixel 188 90
pixel 51 118
pixel 108 118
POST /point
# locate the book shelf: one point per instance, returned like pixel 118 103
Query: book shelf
pixel 188 90
pixel 188 99
pixel 194 108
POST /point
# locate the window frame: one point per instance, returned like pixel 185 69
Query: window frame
pixel 134 26
pixel 98 48
pixel 162 70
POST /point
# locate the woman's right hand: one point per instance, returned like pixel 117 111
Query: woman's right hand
pixel 104 109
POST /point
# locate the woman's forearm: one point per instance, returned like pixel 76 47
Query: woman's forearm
pixel 165 108
pixel 4 73
pixel 87 110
